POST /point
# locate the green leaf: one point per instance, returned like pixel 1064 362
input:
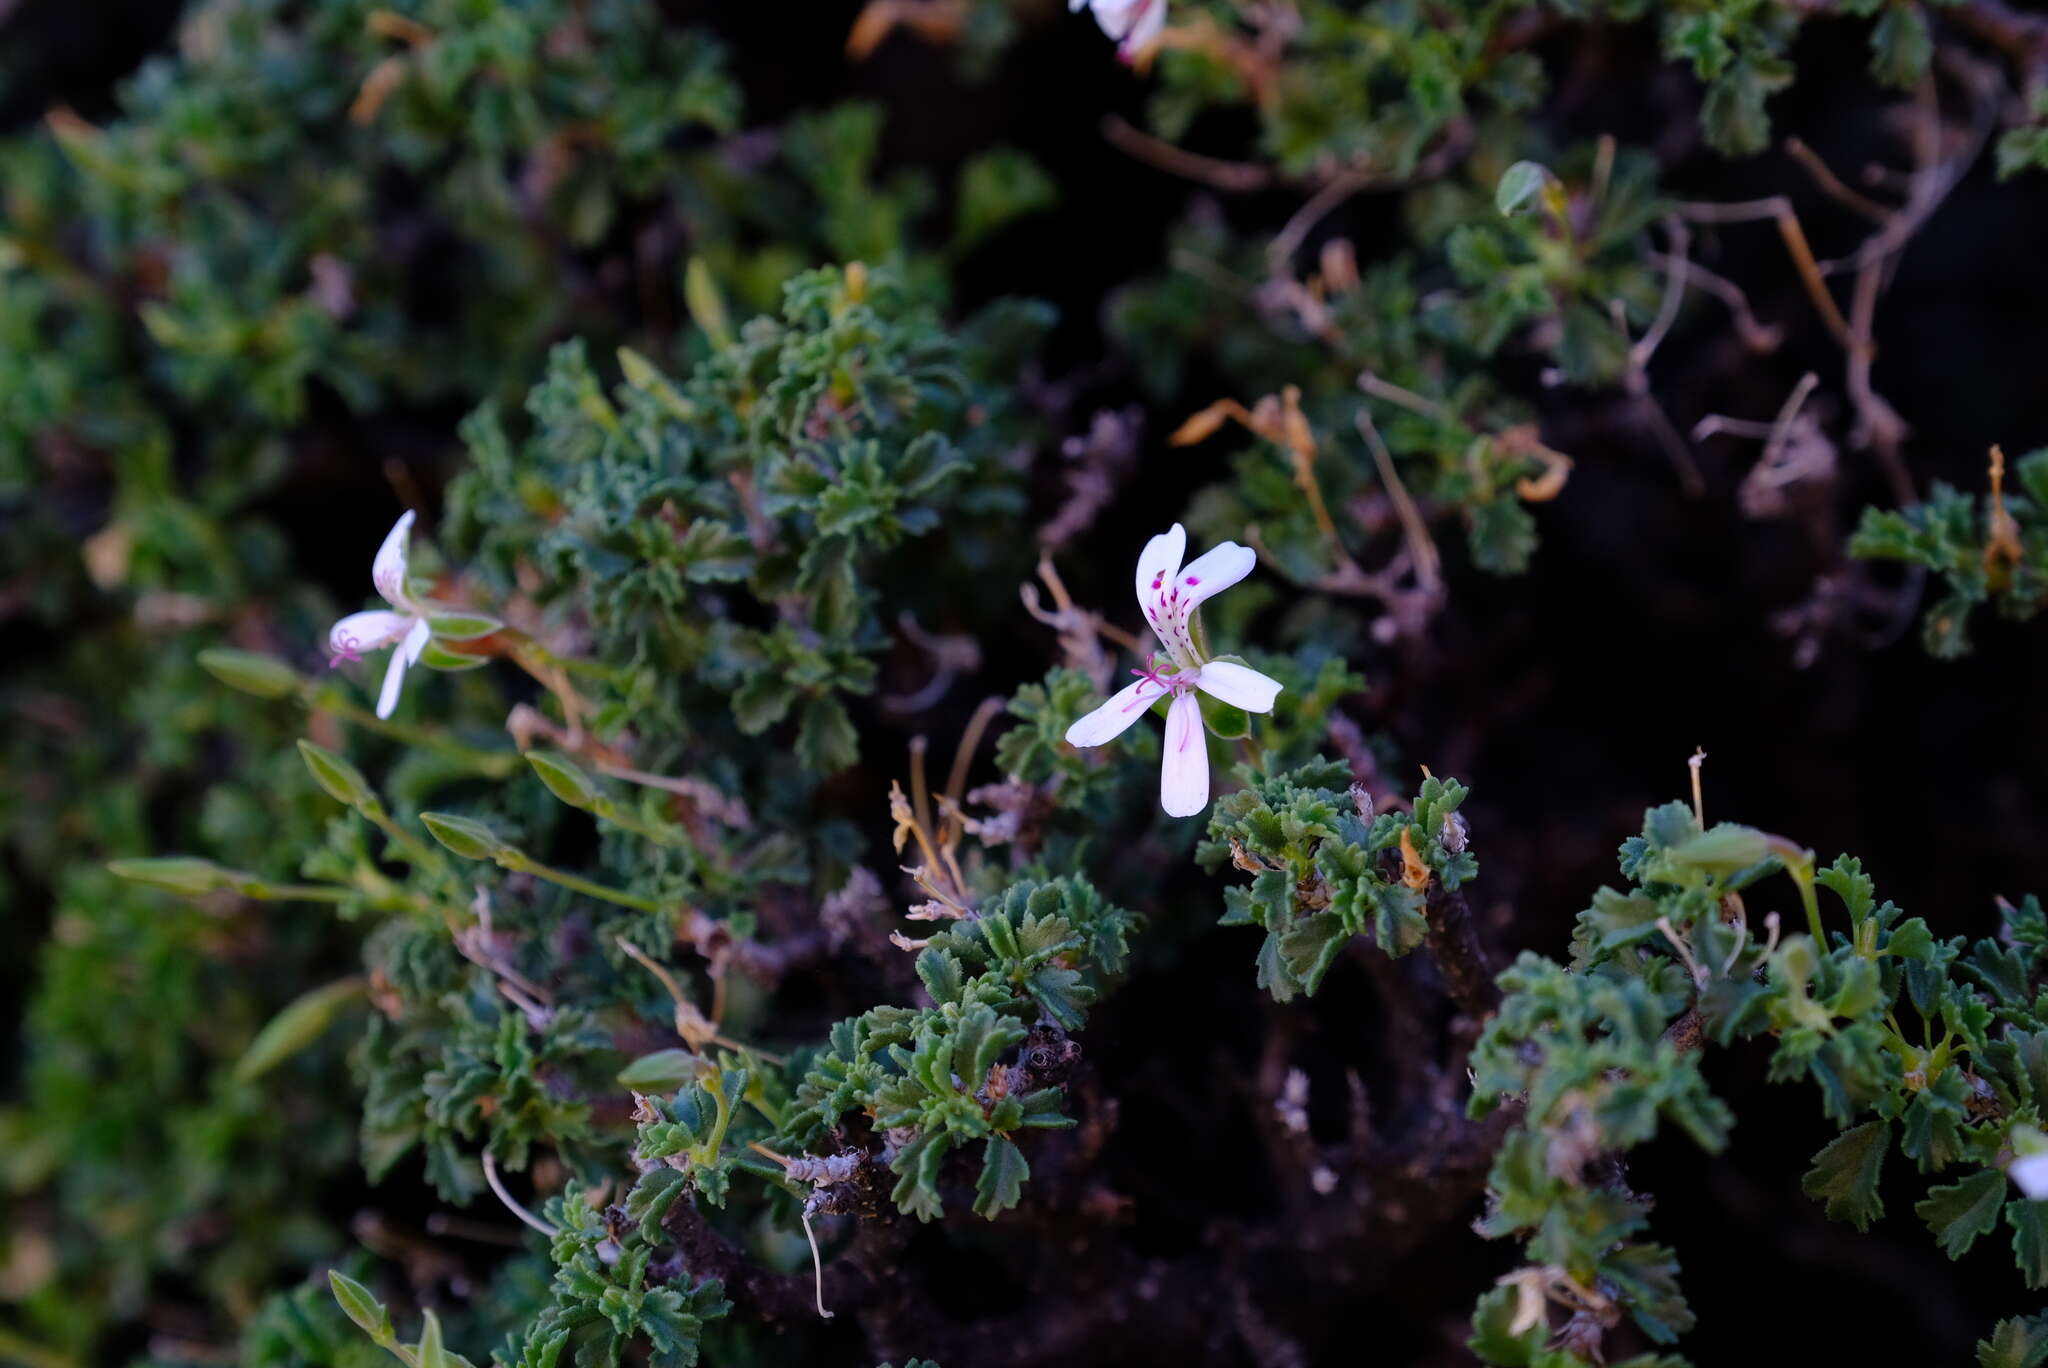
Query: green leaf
pixel 2029 1222
pixel 1003 1171
pixel 1727 849
pixel 700 295
pixel 996 187
pixel 2015 1343
pixel 361 1307
pixel 1310 947
pixel 1900 46
pixel 826 741
pixel 430 1352
pixel 565 779
pixel 304 1020
pixel 470 839
pixel 1845 1173
pixel 251 673
pixel 185 874
pixel 1521 185
pixel 344 783
pixel 664 1071
pixel 435 656
pixel 462 624
pixel 1958 1213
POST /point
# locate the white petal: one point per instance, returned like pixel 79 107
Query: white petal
pixel 1113 718
pixel 1076 6
pixel 1214 571
pixel 1184 765
pixel 1238 685
pixel 1150 23
pixel 394 675
pixel 1114 16
pixel 2031 1173
pixel 1158 563
pixel 416 641
pixel 370 631
pixel 387 572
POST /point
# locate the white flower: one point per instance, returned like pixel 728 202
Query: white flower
pixel 1169 593
pixel 374 630
pixel 1135 24
pixel 2030 1171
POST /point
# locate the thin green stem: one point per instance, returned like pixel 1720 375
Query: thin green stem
pixel 620 816
pixel 492 764
pixel 526 864
pixel 420 853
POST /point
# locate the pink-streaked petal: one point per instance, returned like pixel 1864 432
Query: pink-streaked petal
pixel 1145 29
pixel 1214 571
pixel 1238 685
pixel 394 675
pixel 387 572
pixel 1158 563
pixel 1184 765
pixel 1113 718
pixel 416 641
pixel 369 631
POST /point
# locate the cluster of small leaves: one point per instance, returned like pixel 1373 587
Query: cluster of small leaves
pixel 1994 550
pixel 1558 271
pixel 1973 1092
pixel 1326 869
pixel 1600 1054
pixel 608 1298
pixel 1342 86
pixel 798 452
pixel 682 1141
pixel 388 206
pixel 930 1081
pixel 1337 87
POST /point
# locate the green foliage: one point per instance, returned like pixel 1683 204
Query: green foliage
pixel 1601 1054
pixel 1996 553
pixel 783 468
pixel 540 928
pixel 934 1080
pixel 1325 869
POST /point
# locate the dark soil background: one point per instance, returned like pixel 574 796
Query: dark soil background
pixel 1568 698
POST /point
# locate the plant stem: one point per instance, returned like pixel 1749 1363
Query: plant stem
pixel 492 764
pixel 525 864
pixel 1454 940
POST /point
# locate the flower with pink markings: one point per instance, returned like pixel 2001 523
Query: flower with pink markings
pixel 1169 593
pixel 1135 24
pixel 404 625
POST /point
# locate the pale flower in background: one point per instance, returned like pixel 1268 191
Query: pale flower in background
pixel 403 625
pixel 1135 24
pixel 2030 1171
pixel 1169 593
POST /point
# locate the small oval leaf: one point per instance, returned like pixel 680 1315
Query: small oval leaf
pixel 435 656
pixel 466 837
pixel 564 778
pixel 260 675
pixel 304 1020
pixel 1520 186
pixel 664 1071
pixel 186 874
pixel 462 624
pixel 344 782
pixel 360 1306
